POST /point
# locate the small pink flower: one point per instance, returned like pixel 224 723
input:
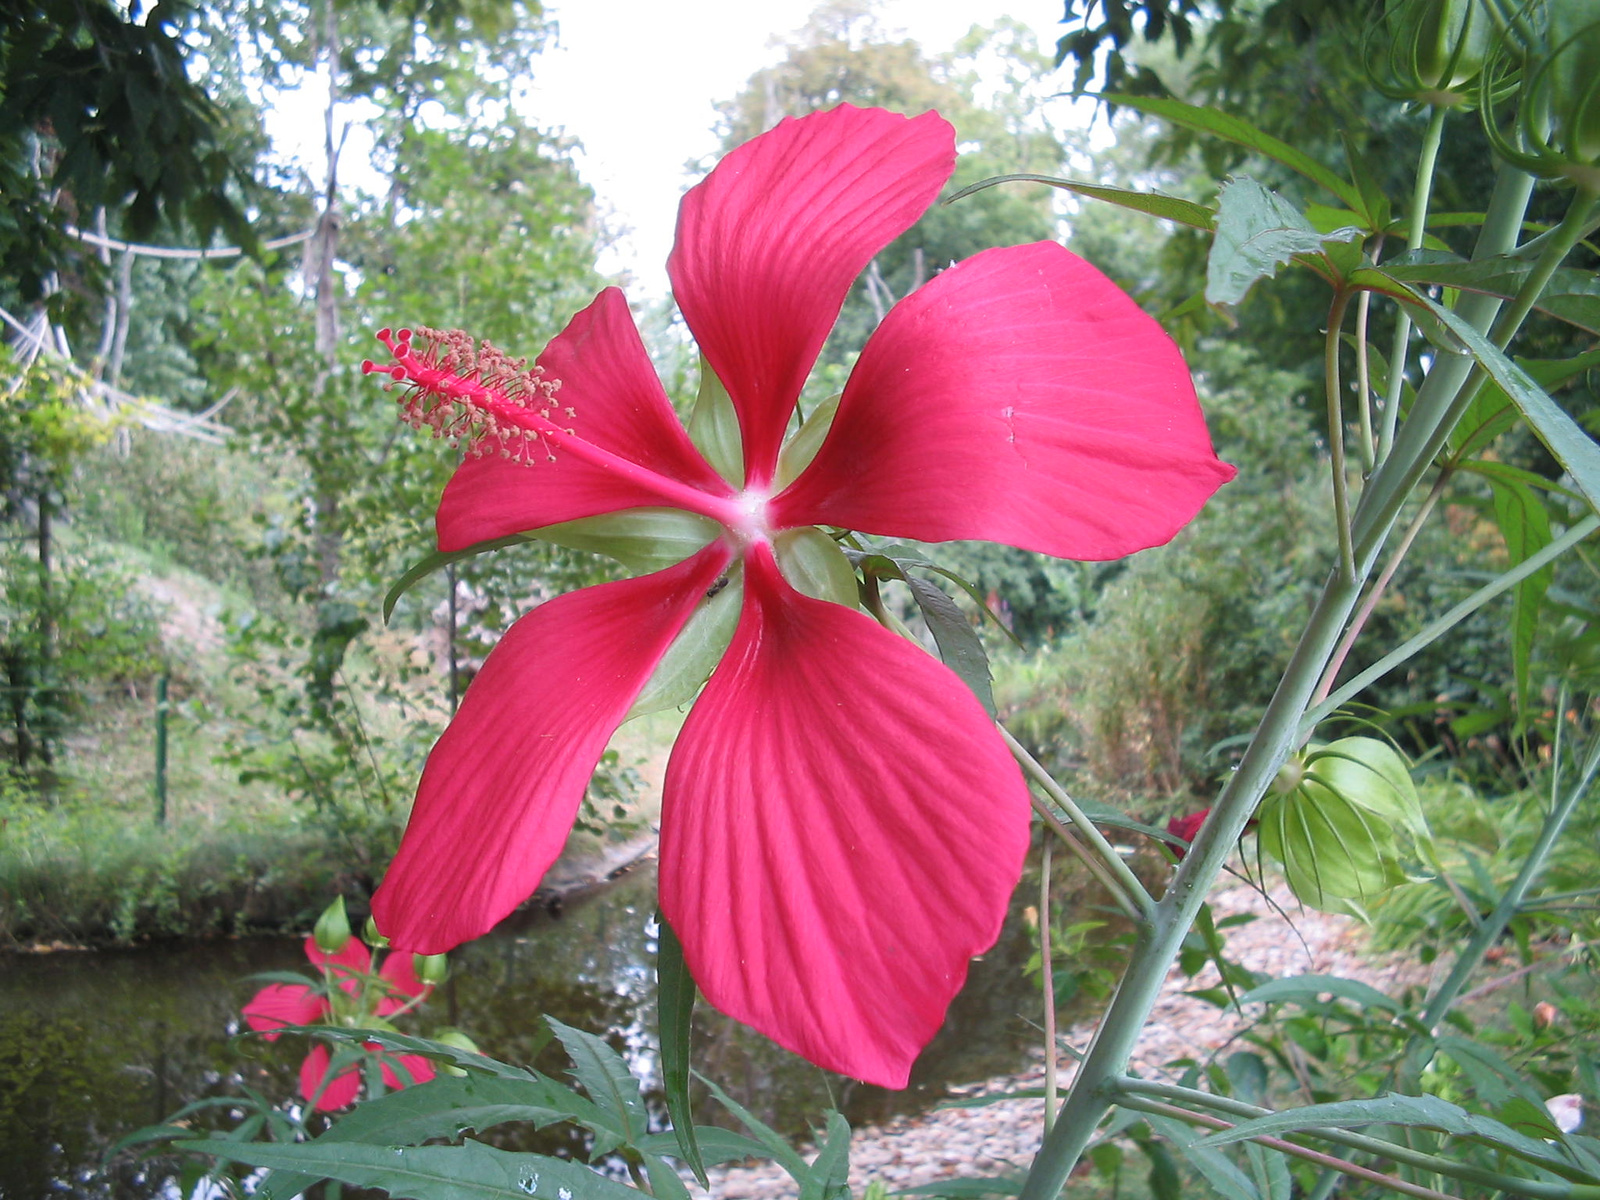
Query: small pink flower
pixel 842 824
pixel 281 1004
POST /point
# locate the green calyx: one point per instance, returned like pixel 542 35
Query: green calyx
pixel 813 563
pixel 697 649
pixel 641 539
pixel 714 427
pixel 804 443
pixel 1436 48
pixel 1341 821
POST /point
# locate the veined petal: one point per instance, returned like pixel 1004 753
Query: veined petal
pixel 618 404
pixel 1018 397
pixel 500 789
pixel 330 1093
pixel 770 242
pixel 280 1004
pixel 842 830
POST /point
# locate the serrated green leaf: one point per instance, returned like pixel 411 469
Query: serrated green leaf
pixel 959 645
pixel 469 1172
pixel 675 993
pixel 1242 133
pixel 781 1152
pixel 1308 990
pixel 1154 204
pixel 828 1177
pixel 1257 232
pixel 1229 1181
pixel 606 1078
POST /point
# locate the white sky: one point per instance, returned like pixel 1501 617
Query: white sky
pixel 635 81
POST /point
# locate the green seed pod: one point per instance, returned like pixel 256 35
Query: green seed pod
pixel 454 1037
pixel 1436 49
pixel 1337 827
pixel 332 931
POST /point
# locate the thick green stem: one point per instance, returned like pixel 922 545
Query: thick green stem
pixel 1399 351
pixel 1047 975
pixel 1335 395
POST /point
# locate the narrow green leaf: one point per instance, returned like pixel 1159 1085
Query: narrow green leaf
pixel 664 1181
pixel 1229 1181
pixel 782 1153
pixel 1257 232
pixel 968 1187
pixel 1155 204
pixel 1525 526
pixel 447 1107
pixel 675 992
pixel 1574 449
pixel 1308 990
pixel 606 1078
pixel 1242 133
pixel 469 1172
pixel 437 561
pixel 828 1177
pixel 716 1145
pixel 1423 1112
pixel 1571 295
pixel 959 645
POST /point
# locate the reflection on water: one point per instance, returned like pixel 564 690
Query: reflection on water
pixel 94 1045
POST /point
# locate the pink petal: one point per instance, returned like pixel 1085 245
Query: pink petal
pixel 1019 397
pixel 338 1091
pixel 400 972
pixel 280 1004
pixel 419 1068
pixel 770 242
pixel 344 968
pixel 608 381
pixel 500 789
pixel 842 830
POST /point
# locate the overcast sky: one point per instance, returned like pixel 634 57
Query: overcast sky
pixel 635 81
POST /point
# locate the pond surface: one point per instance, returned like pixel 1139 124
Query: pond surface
pixel 96 1044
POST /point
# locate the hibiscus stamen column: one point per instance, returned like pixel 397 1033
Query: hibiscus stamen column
pixel 499 405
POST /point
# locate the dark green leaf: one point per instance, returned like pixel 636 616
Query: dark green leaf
pixel 1257 232
pixel 828 1177
pixel 675 1004
pixel 1242 133
pixel 664 1181
pixel 1229 1181
pixel 606 1078
pixel 1525 525
pixel 1571 295
pixel 716 1145
pixel 470 1172
pixel 450 1107
pixel 959 645
pixel 1168 208
pixel 782 1153
pixel 1308 990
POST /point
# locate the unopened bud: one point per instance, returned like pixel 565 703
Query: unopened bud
pixel 431 969
pixel 371 936
pixel 454 1037
pixel 332 931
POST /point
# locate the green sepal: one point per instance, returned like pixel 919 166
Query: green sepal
pixel 801 448
pixel 698 648
pixel 643 540
pixel 812 562
pixel 438 560
pixel 714 427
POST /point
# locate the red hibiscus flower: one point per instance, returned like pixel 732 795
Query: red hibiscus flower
pixel 842 824
pixel 363 995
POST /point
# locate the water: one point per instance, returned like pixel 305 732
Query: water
pixel 95 1045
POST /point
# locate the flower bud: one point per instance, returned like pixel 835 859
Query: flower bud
pixel 1335 830
pixel 1557 130
pixel 1544 1015
pixel 332 931
pixel 431 969
pixel 371 936
pixel 1436 49
pixel 454 1037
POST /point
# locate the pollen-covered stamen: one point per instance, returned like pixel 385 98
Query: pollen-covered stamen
pixel 472 393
